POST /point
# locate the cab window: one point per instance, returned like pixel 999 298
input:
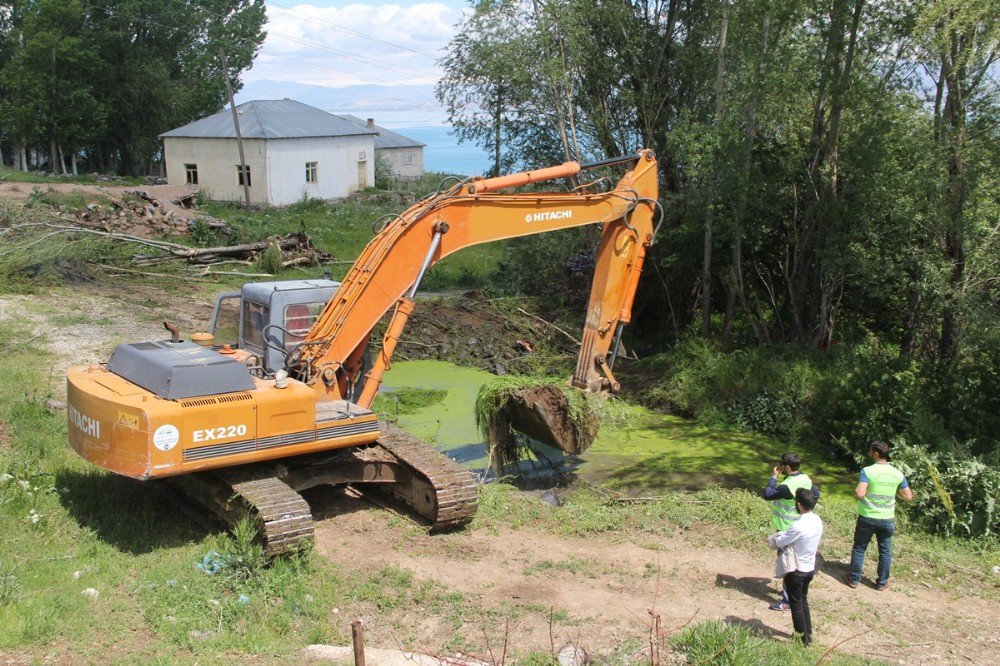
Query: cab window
pixel 299 318
pixel 255 318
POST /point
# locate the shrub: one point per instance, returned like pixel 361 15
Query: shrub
pixel 868 393
pixel 243 555
pixel 271 260
pixel 954 496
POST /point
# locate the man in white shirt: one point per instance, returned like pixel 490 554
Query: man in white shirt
pixel 803 536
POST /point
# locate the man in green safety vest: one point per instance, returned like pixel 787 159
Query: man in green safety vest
pixel 782 496
pixel 878 487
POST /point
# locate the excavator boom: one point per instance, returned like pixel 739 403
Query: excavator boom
pixel 389 270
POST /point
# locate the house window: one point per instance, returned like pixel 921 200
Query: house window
pixel 407 158
pixel 240 173
pixel 312 172
pixel 191 174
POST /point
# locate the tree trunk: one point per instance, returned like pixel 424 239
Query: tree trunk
pixel 52 156
pixel 736 260
pixel 713 193
pixel 810 283
pixel 21 155
pixel 72 161
pixel 497 116
pixel 954 246
pixel 62 160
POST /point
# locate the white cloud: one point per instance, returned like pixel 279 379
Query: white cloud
pixel 319 45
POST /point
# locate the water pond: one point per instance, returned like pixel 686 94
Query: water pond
pixel 638 451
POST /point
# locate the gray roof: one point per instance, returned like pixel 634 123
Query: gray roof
pixel 271 119
pixel 386 138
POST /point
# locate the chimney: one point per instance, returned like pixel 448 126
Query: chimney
pixel 371 122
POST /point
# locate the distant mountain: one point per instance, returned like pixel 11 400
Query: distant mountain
pixel 389 105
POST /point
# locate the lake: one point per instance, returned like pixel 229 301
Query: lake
pixel 444 153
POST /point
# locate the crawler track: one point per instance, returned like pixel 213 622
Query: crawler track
pixel 435 487
pixel 452 487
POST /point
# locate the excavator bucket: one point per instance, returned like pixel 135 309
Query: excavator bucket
pixel 544 414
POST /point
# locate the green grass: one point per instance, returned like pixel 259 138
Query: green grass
pixel 12 176
pixel 731 644
pixel 344 228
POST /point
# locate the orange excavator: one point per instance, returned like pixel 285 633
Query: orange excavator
pixel 243 430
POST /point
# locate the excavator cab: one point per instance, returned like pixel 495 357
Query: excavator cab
pixel 274 316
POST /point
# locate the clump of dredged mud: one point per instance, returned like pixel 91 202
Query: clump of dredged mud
pixel 543 410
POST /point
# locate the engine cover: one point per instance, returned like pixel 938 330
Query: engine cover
pixel 176 370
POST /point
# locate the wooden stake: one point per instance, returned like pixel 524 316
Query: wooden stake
pixel 357 633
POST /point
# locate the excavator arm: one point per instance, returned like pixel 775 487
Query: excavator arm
pixel 390 269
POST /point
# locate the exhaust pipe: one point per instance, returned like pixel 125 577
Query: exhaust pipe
pixel 175 334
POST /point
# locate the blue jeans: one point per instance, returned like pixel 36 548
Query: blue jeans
pixel 864 530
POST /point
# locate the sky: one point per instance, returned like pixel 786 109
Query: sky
pixel 338 43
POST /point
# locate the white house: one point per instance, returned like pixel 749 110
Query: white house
pixel 404 155
pixel 292 151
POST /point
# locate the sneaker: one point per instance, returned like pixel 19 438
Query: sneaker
pixel 849 582
pixel 882 586
pixel 780 606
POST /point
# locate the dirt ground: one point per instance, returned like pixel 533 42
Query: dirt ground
pixel 609 587
pixel 605 586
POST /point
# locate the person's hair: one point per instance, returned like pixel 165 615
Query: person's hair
pixel 879 448
pixel 792 460
pixel 806 497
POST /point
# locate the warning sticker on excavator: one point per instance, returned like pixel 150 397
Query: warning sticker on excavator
pixel 166 437
pixel 128 420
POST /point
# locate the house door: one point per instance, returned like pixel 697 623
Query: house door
pixel 362 174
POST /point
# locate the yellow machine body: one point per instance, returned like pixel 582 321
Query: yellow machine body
pixel 126 429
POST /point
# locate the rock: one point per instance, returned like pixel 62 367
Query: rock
pixel 499 369
pixel 473 341
pixel 90 592
pixel 550 498
pixel 54 404
pixel 200 635
pixel 573 655
pixel 383 657
pixel 996 570
pixel 77 574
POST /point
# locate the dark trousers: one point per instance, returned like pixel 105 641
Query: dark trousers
pixel 864 529
pixel 797 584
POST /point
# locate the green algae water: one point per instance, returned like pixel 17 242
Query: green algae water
pixel 637 451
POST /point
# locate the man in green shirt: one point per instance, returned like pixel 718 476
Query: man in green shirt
pixel 878 487
pixel 782 497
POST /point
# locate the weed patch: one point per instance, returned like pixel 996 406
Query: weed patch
pixel 734 644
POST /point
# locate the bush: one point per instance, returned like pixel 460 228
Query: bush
pixel 955 496
pixel 869 393
pixel 271 260
pixel 764 389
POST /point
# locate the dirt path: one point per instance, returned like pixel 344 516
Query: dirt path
pixel 605 588
pixel 601 588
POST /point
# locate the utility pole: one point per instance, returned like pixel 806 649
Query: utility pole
pixel 244 174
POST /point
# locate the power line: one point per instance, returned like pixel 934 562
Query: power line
pixel 349 31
